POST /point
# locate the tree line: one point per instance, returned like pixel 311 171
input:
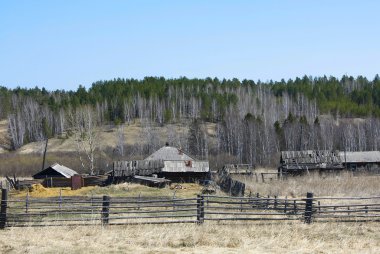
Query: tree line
pixel 253 120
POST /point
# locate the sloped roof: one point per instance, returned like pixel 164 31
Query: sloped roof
pixel 64 171
pixel 358 157
pixel 310 157
pixel 169 153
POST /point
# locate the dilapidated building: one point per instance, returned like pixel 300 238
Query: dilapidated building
pixel 167 162
pixel 356 161
pixel 298 162
pixel 179 165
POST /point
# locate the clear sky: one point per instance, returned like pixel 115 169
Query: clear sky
pixel 60 44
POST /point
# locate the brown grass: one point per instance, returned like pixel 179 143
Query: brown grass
pixel 213 237
pixel 342 185
pixel 189 238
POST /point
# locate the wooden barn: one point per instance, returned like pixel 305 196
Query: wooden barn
pixel 167 162
pixel 361 161
pixel 56 175
pixel 178 165
pixel 299 162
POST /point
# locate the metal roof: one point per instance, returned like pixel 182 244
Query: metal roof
pixel 169 153
pixel 65 171
pixel 360 157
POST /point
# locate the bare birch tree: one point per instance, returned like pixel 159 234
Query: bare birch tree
pixel 120 140
pixel 84 126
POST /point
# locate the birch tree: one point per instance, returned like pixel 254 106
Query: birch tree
pixel 84 126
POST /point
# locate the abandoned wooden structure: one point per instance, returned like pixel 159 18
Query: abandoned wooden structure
pixel 229 185
pixel 299 162
pixel 167 162
pixel 179 166
pixel 361 161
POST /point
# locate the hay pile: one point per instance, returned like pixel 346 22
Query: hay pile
pixel 39 191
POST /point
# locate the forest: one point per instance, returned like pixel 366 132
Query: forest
pixel 253 120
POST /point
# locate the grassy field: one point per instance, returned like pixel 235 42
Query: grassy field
pixel 190 238
pixel 340 185
pixel 211 237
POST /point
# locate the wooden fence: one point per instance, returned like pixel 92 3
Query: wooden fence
pixel 107 210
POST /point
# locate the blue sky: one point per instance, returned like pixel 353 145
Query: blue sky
pixel 60 44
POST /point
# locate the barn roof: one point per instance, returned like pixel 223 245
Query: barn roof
pixel 64 171
pixel 360 157
pixel 310 157
pixel 169 153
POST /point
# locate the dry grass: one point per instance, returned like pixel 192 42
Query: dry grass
pixel 190 238
pixel 108 137
pixel 212 237
pixel 342 185
pixel 189 190
pixel 26 165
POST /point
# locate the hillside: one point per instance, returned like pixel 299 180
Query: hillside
pixel 108 137
pixel 138 141
pixel 228 120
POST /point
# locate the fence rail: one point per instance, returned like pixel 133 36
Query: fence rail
pixel 160 210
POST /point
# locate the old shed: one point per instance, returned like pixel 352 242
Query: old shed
pixel 55 171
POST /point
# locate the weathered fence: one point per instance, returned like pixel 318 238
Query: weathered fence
pixel 161 210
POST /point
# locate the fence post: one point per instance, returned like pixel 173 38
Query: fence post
pixel 138 203
pixel 174 200
pixel 275 202
pixel 200 209
pixel 92 203
pixel 309 208
pixel 258 203
pixel 286 204
pixel 105 210
pixel 60 200
pixel 27 202
pixel 3 211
